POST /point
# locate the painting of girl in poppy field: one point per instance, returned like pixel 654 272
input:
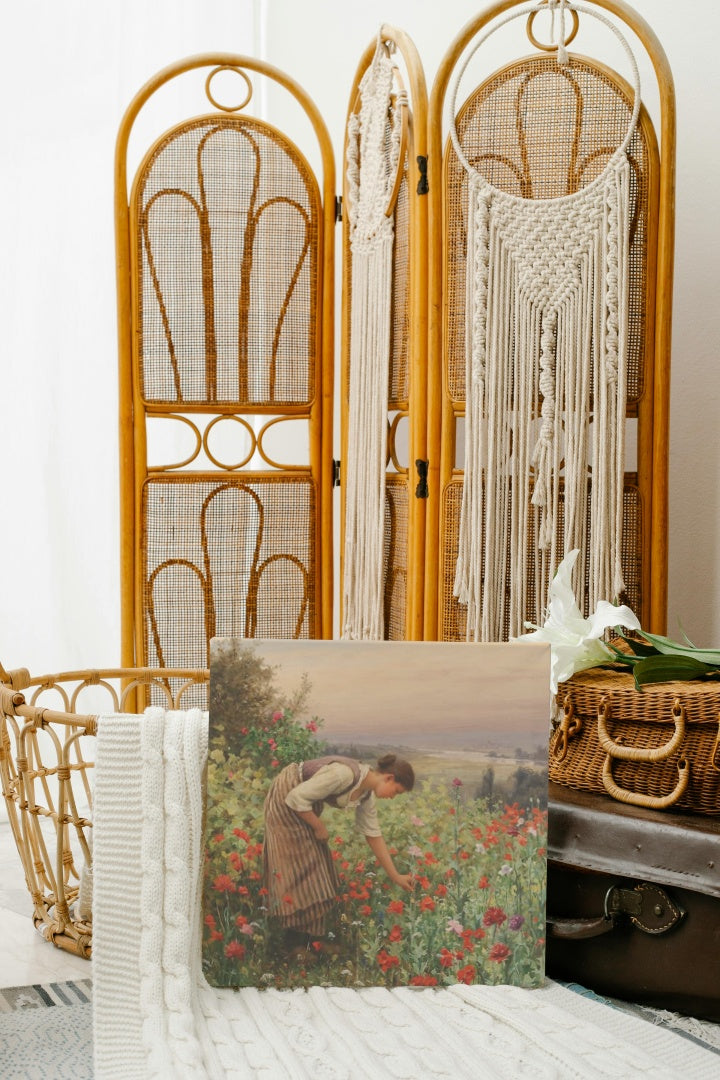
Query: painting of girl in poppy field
pixel 377 814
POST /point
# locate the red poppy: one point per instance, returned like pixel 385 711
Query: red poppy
pixel 446 958
pixel 234 951
pixel 224 883
pixel 243 890
pixel 365 910
pixel 427 904
pixel 218 838
pixel 441 890
pixel 430 858
pixel 288 900
pixel 434 839
pixel 494 916
pixel 466 974
pixel 396 907
pixel 241 835
pixel 240 920
pixel 423 882
pixel 386 961
pixel 423 980
pixel 483 883
pixel 499 952
pixel 215 935
pixel 395 933
pixel 209 920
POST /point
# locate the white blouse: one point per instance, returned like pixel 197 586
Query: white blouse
pixel 329 780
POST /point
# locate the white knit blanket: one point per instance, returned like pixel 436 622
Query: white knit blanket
pixel 155 1016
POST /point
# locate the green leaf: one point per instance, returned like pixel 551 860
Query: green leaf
pixel 640 648
pixel 672 648
pixel 654 669
pixel 621 657
pixel 687 639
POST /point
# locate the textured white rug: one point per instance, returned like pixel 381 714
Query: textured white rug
pixel 155 1016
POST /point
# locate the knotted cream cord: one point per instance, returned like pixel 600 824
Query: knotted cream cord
pixel 546 319
pixel 372 163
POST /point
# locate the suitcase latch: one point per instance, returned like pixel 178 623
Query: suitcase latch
pixel 646 905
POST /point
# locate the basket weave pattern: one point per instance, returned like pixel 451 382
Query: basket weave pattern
pixel 659 747
pixel 46 762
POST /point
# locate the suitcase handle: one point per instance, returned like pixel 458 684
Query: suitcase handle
pixel 647 906
pixel 634 753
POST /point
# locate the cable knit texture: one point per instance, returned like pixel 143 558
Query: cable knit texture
pixel 155 1016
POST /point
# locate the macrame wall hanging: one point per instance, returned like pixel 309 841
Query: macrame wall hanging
pixel 546 339
pixel 375 157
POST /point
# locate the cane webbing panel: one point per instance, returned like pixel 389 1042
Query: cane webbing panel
pixel 226 220
pixel 539 131
pixel 230 557
pixel 398 389
pixel 396 555
pixel 452 623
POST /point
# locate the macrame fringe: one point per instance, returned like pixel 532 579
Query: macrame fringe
pixel 547 304
pixel 372 162
pixel 546 333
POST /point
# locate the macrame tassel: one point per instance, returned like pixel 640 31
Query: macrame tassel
pixel 370 172
pixel 547 321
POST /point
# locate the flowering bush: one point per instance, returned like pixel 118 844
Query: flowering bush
pixel 278 739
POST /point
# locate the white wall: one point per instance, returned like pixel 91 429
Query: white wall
pixel 68 70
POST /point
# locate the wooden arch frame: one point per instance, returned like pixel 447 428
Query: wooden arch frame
pixel 658 364
pixel 132 409
pixel 414 407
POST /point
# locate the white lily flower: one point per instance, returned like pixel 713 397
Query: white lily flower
pixel 575 641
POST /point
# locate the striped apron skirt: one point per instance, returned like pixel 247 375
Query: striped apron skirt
pixel 299 871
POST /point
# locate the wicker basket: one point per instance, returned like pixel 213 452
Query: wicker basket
pixel 658 747
pixel 46 754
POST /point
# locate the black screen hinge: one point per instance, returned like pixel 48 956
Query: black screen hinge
pixel 422 188
pixel 338 208
pixel 421 491
pixel 336 473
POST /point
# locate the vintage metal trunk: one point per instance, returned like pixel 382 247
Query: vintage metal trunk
pixel 634 902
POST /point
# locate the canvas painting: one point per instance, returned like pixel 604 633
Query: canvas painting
pixel 377 814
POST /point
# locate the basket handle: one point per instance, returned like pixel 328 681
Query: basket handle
pixel 570 726
pixel 652 802
pixel 633 753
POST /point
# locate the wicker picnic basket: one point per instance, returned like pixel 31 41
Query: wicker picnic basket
pixel 658 747
pixel 46 758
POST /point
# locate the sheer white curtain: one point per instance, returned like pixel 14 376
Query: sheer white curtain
pixel 69 69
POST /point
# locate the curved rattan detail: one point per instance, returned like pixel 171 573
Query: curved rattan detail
pixel 235 250
pixel 46 761
pixel 225 286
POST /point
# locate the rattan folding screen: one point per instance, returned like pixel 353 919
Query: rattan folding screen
pixel 517 126
pixel 225 284
pixel 225 254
